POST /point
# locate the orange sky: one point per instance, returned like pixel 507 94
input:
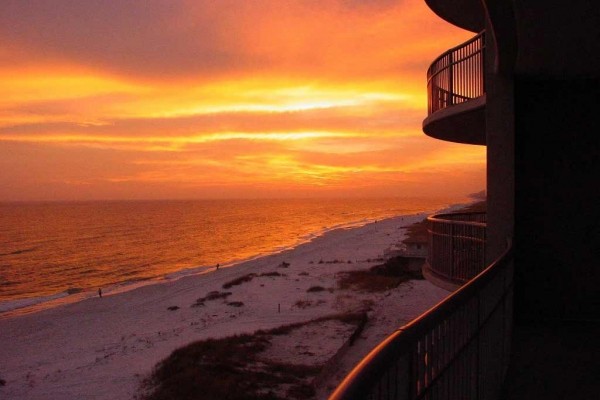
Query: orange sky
pixel 136 99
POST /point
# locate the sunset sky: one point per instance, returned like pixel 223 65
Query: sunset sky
pixel 131 99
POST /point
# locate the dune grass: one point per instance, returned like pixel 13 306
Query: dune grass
pixel 248 278
pixel 367 281
pixel 239 281
pixel 378 278
pixel 215 295
pixel 232 368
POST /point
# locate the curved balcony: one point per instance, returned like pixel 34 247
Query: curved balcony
pixel 467 14
pixel 456 248
pixel 456 94
pixel 457 350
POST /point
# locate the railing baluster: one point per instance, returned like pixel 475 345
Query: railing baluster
pixel 457 75
pixel 458 349
pixel 457 246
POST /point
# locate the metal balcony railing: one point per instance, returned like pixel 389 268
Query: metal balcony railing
pixel 457 75
pixel 457 246
pixel 457 350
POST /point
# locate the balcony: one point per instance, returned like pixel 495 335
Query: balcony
pixel 460 348
pixel 456 94
pixel 457 350
pixel 467 14
pixel 456 248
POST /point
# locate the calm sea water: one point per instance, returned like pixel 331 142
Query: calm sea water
pixel 53 250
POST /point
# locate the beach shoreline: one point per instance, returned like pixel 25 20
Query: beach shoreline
pixel 29 305
pixel 103 347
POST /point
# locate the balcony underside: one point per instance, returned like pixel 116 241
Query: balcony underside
pixel 440 281
pixel 460 123
pixel 467 14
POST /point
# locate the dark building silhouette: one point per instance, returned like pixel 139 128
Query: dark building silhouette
pixel 538 119
pixel 527 86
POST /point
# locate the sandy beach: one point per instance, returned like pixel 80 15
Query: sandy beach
pixel 102 348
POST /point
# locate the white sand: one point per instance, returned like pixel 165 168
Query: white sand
pixel 102 348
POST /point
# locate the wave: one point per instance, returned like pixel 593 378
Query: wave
pixel 127 281
pixel 74 290
pixel 20 251
pixel 12 305
pixel 187 272
pixel 70 295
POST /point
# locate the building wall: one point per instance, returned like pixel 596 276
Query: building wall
pixel 542 134
pixel 557 202
pixel 500 154
pixel 416 250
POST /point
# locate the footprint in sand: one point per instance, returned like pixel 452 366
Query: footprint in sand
pixel 30 378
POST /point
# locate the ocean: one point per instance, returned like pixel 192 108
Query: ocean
pixel 65 251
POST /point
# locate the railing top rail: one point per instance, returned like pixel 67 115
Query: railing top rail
pixel 454 62
pixel 460 296
pixel 455 218
pixel 358 383
pixel 453 49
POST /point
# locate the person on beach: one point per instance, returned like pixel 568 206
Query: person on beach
pixel 218 266
pixel 100 292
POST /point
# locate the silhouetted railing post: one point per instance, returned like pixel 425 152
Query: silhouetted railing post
pixel 478 347
pixel 450 79
pixel 457 75
pixel 453 247
pixel 456 246
pixel 449 352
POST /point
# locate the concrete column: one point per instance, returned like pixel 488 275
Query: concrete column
pixel 500 131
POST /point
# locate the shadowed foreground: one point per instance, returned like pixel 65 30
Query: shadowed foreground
pixel 554 362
